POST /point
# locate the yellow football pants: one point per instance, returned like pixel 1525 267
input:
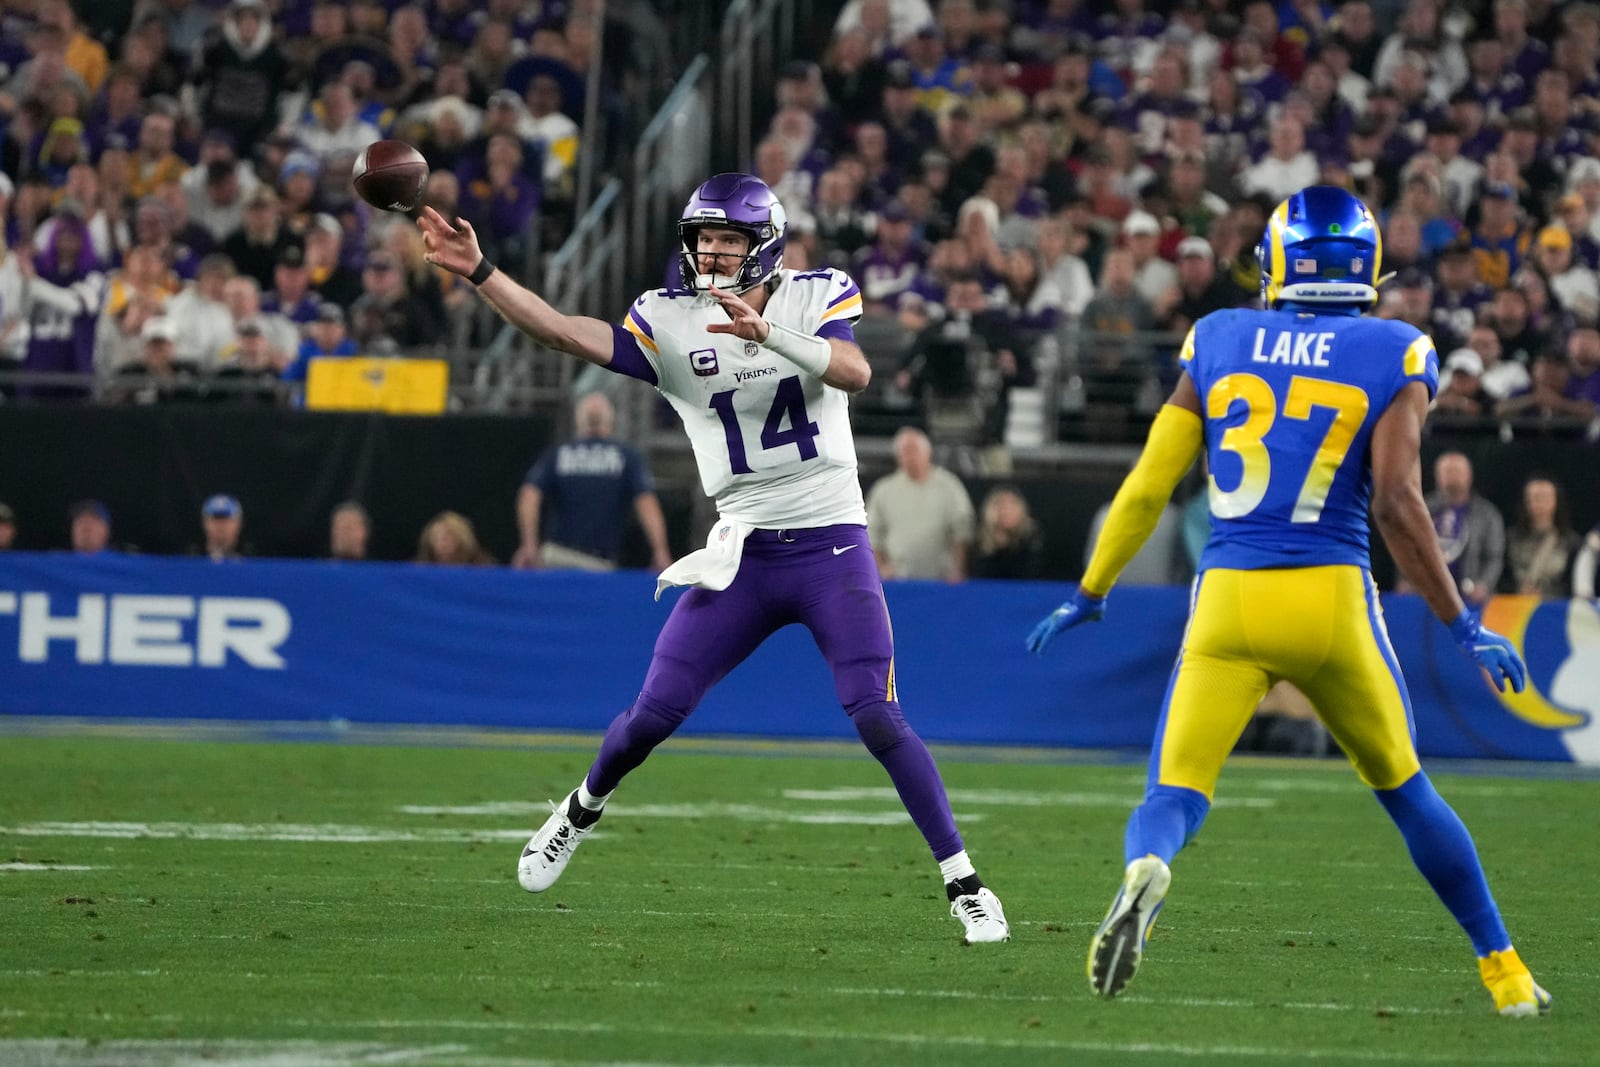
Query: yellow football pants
pixel 1318 627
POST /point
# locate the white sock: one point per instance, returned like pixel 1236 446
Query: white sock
pixel 956 867
pixel 589 802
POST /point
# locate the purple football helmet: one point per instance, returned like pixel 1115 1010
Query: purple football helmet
pixel 740 202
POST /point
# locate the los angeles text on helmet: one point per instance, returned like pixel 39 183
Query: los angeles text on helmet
pixel 129 630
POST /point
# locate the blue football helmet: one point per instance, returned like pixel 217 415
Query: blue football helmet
pixel 1321 246
pixel 740 202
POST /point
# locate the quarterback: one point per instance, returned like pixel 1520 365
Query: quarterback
pixel 758 362
pixel 1308 413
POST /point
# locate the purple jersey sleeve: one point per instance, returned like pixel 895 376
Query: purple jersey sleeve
pixel 838 329
pixel 628 358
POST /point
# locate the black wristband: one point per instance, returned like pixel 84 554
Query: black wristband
pixel 481 272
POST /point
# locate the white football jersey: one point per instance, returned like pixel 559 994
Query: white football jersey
pixel 772 442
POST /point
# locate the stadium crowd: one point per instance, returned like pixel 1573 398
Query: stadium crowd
pixel 178 217
pixel 1037 197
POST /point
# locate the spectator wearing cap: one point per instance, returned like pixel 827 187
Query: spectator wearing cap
pixel 258 242
pixel 1458 296
pixel 89 527
pixel 893 261
pixel 297 189
pixel 221 524
pixel 253 369
pixel 386 309
pixel 1461 389
pixel 940 78
pixel 331 280
pixel 1409 299
pixel 1500 241
pixel 1154 278
pixel 334 125
pixel 8 528
pixel 243 297
pixel 1491 81
pixel 240 73
pixel 503 116
pixel 911 129
pixel 160 376
pixel 154 161
pixel 326 337
pixel 996 104
pixel 201 315
pixel 291 295
pixel 971 160
pixel 1573 285
pixel 1201 290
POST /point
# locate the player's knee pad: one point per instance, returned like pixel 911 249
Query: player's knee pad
pixel 1191 802
pixel 880 725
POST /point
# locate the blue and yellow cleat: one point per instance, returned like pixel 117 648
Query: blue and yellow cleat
pixel 1118 945
pixel 1512 986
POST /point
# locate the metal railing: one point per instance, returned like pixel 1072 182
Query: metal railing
pixel 756 36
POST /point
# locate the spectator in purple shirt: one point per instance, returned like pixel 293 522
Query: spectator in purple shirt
pixel 64 287
pixel 503 204
pixel 1491 81
pixel 1527 55
pixel 891 264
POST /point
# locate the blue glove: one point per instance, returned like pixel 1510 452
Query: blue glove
pixel 1494 653
pixel 1081 608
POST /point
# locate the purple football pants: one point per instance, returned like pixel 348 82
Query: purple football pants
pixel 825 579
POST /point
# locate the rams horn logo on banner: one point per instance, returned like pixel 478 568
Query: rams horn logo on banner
pixel 1560 640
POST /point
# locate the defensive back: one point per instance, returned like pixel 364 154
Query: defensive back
pixel 1290 400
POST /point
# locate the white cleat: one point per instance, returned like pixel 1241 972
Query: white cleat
pixel 1118 945
pixel 981 914
pixel 548 851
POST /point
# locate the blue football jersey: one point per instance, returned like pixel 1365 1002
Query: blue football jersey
pixel 1290 400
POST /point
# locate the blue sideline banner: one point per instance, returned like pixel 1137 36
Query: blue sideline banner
pixel 145 637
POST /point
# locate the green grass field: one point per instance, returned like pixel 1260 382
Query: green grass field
pixel 170 901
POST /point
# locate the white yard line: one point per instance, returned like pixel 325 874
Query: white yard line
pixel 45 867
pixel 1016 798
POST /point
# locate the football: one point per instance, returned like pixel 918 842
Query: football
pixel 389 175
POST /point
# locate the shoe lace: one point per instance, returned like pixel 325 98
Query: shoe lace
pixel 561 841
pixel 970 908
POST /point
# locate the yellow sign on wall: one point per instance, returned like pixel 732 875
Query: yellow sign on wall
pixel 369 383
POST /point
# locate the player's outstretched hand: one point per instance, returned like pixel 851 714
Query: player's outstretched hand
pixel 1497 656
pixel 452 246
pixel 1080 609
pixel 745 321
